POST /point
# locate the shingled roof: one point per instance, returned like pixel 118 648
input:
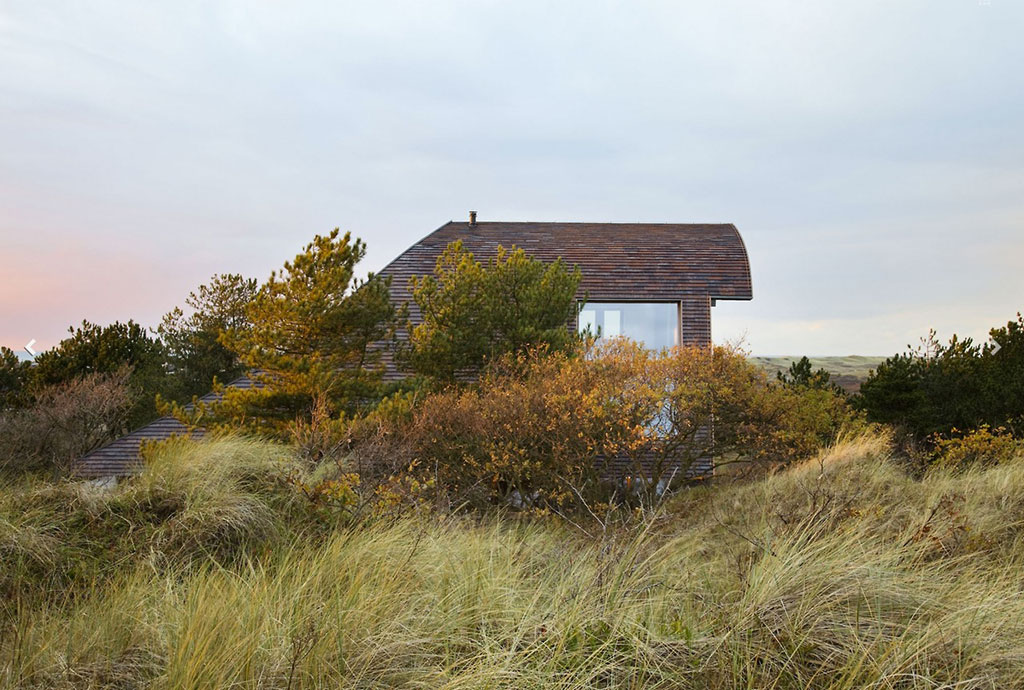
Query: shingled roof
pixel 123 456
pixel 637 261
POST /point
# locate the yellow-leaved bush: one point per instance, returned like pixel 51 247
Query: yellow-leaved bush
pixel 982 446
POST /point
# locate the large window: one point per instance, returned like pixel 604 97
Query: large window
pixel 655 324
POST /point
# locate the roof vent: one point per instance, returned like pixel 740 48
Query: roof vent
pixel 472 217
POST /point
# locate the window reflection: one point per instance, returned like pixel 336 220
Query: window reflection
pixel 654 324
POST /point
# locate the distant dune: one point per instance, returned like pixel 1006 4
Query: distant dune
pixel 849 372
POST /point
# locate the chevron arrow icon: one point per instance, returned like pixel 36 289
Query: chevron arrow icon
pixel 28 347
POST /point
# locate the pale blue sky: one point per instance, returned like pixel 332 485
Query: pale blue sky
pixel 871 152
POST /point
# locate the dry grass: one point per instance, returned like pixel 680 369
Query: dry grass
pixel 838 573
pixel 216 502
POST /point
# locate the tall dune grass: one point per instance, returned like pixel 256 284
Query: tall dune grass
pixel 194 503
pixel 838 573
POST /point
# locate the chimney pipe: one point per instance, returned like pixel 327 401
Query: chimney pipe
pixel 472 217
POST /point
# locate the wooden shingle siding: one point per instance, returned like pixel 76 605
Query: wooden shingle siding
pixel 696 319
pixel 122 456
pixel 620 467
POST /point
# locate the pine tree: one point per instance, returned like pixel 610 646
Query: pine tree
pixel 14 376
pixel 802 374
pixel 194 351
pixel 474 312
pixel 314 341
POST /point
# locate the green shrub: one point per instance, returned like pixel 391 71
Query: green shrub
pixel 14 379
pixel 956 385
pixel 311 339
pixel 801 374
pixel 195 355
pixel 94 349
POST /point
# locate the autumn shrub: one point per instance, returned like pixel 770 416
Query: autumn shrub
pixel 753 418
pixel 64 421
pixel 983 446
pixel 534 428
pixel 550 430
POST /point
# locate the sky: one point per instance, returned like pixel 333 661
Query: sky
pixel 871 153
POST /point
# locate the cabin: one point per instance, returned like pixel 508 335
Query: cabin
pixel 653 282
